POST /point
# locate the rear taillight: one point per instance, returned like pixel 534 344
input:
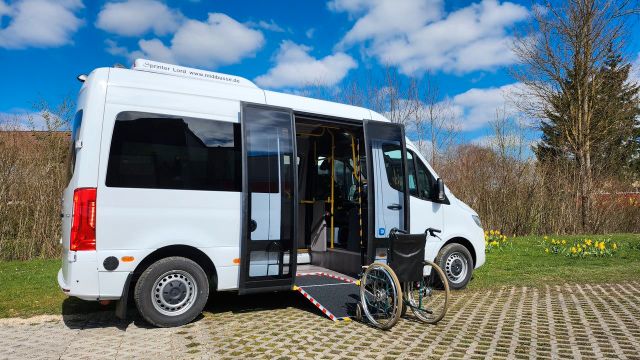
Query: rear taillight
pixel 83 228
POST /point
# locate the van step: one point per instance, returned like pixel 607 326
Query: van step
pixel 335 296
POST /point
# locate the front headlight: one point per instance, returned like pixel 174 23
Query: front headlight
pixel 476 218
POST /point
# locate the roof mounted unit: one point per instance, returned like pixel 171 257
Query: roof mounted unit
pixel 170 69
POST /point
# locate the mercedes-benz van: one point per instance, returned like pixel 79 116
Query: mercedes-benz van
pixel 187 181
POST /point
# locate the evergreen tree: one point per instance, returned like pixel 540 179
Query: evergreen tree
pixel 617 149
pixel 615 126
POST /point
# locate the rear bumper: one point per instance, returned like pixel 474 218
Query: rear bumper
pixel 85 290
pixel 63 286
pixel 88 289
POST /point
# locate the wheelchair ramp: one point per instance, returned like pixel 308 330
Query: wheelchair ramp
pixel 335 296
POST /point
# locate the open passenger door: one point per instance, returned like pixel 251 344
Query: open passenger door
pixel 387 180
pixel 267 249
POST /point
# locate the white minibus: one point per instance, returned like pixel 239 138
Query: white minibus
pixel 186 181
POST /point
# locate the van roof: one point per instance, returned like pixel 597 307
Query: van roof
pixel 233 86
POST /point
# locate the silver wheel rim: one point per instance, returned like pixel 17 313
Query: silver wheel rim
pixel 456 268
pixel 370 296
pixel 174 292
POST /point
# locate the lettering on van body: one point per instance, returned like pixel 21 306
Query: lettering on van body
pixel 186 71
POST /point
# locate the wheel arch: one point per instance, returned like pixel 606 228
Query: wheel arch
pixel 464 242
pixel 186 251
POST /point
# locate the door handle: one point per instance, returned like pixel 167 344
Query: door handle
pixel 394 207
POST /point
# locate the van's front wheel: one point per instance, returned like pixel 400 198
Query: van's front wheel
pixel 456 262
pixel 172 292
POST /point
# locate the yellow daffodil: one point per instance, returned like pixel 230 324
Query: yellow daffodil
pixel 491 232
pixel 546 237
pixel 564 242
pixel 494 243
pixel 497 232
pixel 573 250
pixel 615 246
pixel 601 246
pixel 546 250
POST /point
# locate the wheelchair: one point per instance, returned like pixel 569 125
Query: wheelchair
pixel 407 281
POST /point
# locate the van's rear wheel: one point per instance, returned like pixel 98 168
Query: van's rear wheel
pixel 456 262
pixel 172 292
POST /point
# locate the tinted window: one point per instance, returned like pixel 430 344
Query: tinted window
pixel 426 182
pixel 393 164
pixel 75 133
pixel 173 152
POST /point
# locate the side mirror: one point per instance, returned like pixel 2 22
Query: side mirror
pixel 440 187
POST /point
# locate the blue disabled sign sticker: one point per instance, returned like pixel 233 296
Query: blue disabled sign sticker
pixel 381 231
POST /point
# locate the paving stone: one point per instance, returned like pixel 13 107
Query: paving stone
pixel 554 322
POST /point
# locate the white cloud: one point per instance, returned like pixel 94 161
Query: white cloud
pixel 155 49
pixel 114 49
pixel 477 107
pixel 267 25
pixel 220 40
pixel 18 119
pixel 137 17
pixel 296 68
pixel 418 35
pixel 386 18
pixel 39 23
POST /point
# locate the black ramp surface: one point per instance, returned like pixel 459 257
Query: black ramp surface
pixel 337 296
pixel 312 280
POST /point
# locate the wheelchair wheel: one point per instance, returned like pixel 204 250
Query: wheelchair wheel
pixel 381 296
pixel 429 297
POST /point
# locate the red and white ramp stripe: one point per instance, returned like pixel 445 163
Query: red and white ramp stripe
pixel 318 305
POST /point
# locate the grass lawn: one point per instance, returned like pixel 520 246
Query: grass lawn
pixel 525 263
pixel 30 287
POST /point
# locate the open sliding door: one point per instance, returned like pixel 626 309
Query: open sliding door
pixel 268 252
pixel 387 180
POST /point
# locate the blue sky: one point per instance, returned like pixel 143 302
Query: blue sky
pixel 281 45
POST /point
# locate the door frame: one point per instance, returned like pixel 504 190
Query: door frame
pixel 373 242
pixel 245 284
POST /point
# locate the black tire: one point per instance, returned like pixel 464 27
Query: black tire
pixel 454 259
pixel 390 278
pixel 167 282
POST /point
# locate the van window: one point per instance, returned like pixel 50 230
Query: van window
pixel 393 165
pixel 75 133
pixel 174 152
pixel 426 181
pixel 411 171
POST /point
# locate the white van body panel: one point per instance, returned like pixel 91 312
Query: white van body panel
pixel 137 222
pixel 144 220
pixel 315 106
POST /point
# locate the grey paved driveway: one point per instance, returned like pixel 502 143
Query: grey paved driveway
pixel 582 322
